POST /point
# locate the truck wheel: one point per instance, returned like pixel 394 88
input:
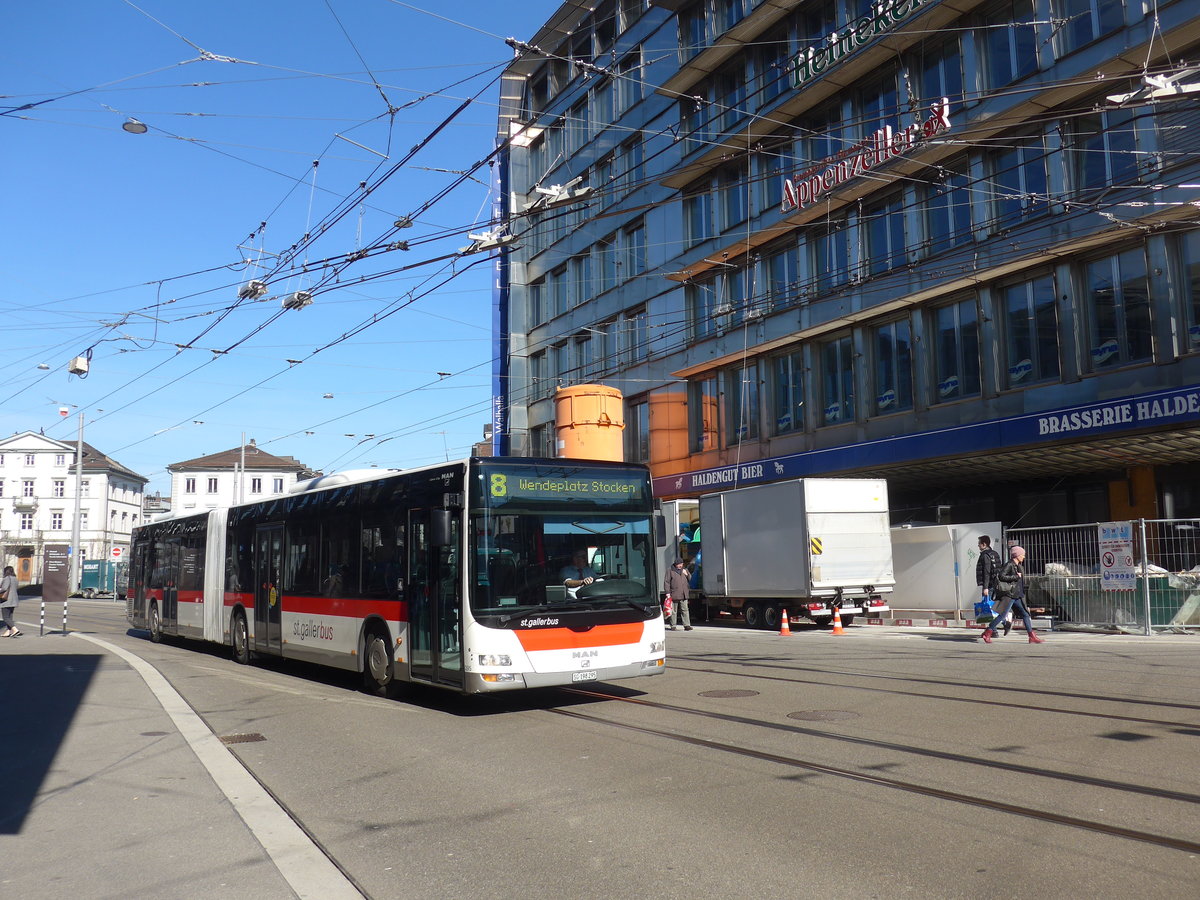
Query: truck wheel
pixel 754 615
pixel 846 620
pixel 771 617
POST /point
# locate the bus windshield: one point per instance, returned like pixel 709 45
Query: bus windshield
pixel 528 562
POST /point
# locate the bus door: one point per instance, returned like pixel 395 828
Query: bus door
pixel 170 600
pixel 434 601
pixel 268 566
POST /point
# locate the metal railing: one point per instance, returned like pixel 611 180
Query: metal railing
pixel 1062 569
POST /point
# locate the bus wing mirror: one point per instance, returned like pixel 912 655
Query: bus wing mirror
pixel 660 529
pixel 440 527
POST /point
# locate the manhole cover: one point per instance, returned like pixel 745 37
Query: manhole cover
pixel 823 715
pixel 241 738
pixel 724 695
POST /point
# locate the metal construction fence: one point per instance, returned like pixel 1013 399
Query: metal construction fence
pixel 1063 580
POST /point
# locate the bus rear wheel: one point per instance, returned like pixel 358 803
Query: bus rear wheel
pixel 378 668
pixel 240 639
pixel 154 623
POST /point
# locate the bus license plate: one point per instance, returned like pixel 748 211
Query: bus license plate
pixel 588 675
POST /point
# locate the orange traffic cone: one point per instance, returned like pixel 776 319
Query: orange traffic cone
pixel 784 627
pixel 837 621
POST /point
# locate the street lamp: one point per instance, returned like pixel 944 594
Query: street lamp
pixel 133 126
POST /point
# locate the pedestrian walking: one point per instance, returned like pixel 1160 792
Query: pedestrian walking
pixel 676 588
pixel 8 602
pixel 986 569
pixel 1011 584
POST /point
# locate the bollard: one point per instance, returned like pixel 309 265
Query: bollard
pixel 42 625
pixel 64 617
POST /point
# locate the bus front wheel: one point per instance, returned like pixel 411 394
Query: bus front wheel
pixel 241 639
pixel 378 668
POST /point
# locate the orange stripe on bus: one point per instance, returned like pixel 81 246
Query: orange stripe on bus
pixel 569 638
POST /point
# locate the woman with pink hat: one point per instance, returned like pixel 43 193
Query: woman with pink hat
pixel 1011 582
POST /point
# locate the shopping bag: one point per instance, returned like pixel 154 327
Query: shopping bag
pixel 667 607
pixel 984 612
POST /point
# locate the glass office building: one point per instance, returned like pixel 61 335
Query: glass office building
pixel 956 245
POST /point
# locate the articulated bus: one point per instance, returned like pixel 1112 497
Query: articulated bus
pixel 451 575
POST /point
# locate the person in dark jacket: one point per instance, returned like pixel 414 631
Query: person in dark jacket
pixel 986 569
pixel 1011 582
pixel 676 587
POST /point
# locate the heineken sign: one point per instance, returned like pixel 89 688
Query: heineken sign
pixel 886 15
pixel 807 187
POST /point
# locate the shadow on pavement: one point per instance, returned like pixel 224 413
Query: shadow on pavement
pixel 41 696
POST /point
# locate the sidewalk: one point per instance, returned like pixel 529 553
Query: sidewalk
pixel 107 794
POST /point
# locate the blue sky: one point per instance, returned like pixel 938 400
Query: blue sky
pixel 133 247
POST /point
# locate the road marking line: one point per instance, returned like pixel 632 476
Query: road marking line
pixel 300 861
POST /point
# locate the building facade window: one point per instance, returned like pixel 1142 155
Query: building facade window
pixel 892 364
pixel 277 485
pixel 27 488
pixel 884 228
pixel 630 163
pixel 30 459
pixel 1189 272
pixel 956 358
pixel 604 263
pixel 940 68
pixel 704 414
pixel 56 521
pixel 698 214
pixel 946 201
pixel 637 431
pixel 1031 342
pixel 581 279
pixel 1083 21
pixel 539 383
pixel 256 485
pixel 782 278
pixel 629 80
pixel 787 392
pixel 1018 176
pixel 829 252
pixel 189 485
pixel 1008 39
pixel 740 386
pixel 1103 150
pixel 637 331
pixel 83 519
pixel 1118 304
pixel 60 459
pixel 212 485
pixel 632 250
pixel 58 488
pixel 837 380
pixel 701 299
pixel 26 523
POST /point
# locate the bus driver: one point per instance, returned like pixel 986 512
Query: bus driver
pixel 577 574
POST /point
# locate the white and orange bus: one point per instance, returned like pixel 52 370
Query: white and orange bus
pixel 452 575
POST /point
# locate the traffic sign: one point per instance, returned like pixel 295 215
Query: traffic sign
pixel 117 551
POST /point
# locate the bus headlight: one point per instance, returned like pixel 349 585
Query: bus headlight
pixel 498 677
pixel 495 659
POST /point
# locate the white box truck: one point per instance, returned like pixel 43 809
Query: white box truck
pixel 809 546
